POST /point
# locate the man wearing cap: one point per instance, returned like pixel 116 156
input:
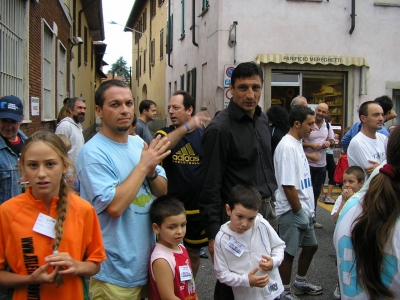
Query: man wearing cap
pixel 11 141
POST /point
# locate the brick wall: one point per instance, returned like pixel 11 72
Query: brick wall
pixel 51 11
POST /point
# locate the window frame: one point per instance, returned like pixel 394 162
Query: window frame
pixel 61 84
pixel 183 19
pixel 152 52
pixel 161 44
pixel 48 80
pixel 85 45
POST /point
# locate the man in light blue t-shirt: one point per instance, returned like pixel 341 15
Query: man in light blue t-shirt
pixel 118 175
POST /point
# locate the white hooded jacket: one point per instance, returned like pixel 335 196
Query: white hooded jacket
pixel 233 270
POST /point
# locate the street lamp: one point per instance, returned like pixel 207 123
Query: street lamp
pixel 115 23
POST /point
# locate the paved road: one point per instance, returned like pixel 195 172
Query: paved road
pixel 322 270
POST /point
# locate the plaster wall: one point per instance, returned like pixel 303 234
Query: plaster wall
pixel 290 27
pixel 84 74
pixel 151 83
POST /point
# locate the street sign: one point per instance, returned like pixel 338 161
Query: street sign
pixel 228 70
pixel 227 97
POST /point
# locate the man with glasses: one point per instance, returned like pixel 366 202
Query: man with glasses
pixel 320 138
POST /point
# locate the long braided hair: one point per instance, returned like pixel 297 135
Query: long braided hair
pixel 55 142
pixel 373 230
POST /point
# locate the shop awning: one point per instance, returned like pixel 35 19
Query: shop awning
pixel 311 59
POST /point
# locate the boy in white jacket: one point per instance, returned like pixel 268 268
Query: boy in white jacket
pixel 247 250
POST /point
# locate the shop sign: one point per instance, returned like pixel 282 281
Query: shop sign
pixel 311 59
pixel 34 106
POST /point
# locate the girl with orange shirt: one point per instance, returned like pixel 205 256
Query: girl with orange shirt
pixel 50 239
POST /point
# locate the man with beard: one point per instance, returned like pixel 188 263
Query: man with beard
pixel 71 126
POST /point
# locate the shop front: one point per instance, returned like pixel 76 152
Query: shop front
pixel 321 79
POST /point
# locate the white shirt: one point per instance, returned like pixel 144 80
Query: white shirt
pixel 363 148
pixel 291 168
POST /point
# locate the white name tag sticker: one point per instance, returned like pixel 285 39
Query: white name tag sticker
pixel 236 247
pixel 45 225
pixel 185 273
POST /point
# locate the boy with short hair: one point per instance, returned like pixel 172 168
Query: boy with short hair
pixel 171 275
pixel 247 249
pixel 353 180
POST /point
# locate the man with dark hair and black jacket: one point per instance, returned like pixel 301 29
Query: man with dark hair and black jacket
pixel 237 150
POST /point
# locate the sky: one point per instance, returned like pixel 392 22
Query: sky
pixel 119 43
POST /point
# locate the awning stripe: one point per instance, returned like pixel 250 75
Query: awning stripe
pixel 311 59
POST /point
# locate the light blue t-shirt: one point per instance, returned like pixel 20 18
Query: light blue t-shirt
pixel 102 165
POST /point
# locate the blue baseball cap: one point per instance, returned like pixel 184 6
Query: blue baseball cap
pixel 11 108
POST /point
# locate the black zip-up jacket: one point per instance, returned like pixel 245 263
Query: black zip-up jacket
pixel 236 150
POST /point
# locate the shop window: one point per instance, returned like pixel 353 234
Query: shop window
pixel 396 106
pixel 326 88
pixel 284 87
pixel 317 87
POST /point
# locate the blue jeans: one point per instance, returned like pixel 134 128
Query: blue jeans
pixel 317 179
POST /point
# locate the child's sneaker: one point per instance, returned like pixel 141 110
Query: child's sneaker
pixel 307 288
pixel 336 293
pixel 289 296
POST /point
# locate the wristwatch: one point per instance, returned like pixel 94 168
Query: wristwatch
pixel 152 178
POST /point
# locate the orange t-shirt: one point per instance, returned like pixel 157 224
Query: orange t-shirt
pixel 23 250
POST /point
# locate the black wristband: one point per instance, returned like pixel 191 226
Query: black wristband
pixel 152 178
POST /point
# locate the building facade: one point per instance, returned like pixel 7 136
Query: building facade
pixel 39 52
pixel 328 51
pixel 148 20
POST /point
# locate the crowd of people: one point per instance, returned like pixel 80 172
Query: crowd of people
pixel 131 210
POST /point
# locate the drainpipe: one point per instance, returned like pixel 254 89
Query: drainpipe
pixel 149 52
pixel 169 32
pixel 353 16
pixel 80 29
pixel 193 24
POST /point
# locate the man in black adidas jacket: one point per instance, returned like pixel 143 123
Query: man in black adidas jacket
pixel 184 167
